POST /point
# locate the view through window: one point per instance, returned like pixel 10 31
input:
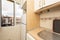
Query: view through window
pixel 8 13
pixel 18 13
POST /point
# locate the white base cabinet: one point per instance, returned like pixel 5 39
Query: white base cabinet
pixel 29 37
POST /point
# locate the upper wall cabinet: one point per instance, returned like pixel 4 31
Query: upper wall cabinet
pixel 49 2
pixel 39 11
pixel 38 4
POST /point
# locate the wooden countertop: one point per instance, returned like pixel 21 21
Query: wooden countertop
pixel 34 33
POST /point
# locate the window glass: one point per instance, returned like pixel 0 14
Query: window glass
pixel 7 13
pixel 18 13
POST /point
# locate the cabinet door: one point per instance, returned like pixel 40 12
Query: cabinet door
pixel 38 4
pixel 49 2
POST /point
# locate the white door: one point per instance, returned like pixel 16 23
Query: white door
pixel 23 27
pixel 23 31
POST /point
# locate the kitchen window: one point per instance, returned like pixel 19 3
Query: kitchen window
pixel 7 13
pixel 18 13
pixel 11 13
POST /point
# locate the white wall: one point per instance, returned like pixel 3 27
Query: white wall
pixel 10 33
pixel 48 23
